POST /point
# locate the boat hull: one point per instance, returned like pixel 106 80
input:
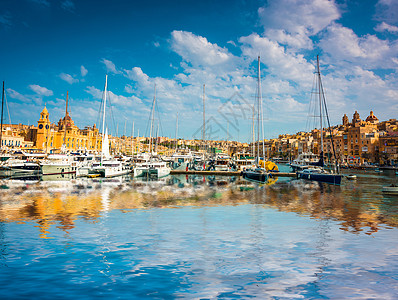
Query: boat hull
pixel 255 176
pixel 328 178
pixel 54 169
pixel 151 172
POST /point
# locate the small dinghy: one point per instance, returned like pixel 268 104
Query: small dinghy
pixel 351 177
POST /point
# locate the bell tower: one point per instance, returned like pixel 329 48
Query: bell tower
pixel 43 127
pixel 345 120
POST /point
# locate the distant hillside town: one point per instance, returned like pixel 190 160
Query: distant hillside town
pixel 355 142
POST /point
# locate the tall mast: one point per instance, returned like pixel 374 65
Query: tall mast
pixel 204 117
pixel 320 101
pixel 138 140
pixel 1 128
pixel 253 136
pixel 152 118
pixel 132 141
pixel 103 118
pixel 157 137
pixel 176 132
pixel 258 110
pixel 66 113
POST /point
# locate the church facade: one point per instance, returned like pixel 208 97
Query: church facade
pixel 52 136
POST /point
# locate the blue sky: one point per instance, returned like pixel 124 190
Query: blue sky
pixel 50 47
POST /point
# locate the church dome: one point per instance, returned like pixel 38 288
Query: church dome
pixel 372 118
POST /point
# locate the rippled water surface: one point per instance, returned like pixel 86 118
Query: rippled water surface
pixel 198 237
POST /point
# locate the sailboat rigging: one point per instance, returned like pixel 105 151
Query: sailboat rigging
pixel 318 173
pixel 108 167
pixel 260 173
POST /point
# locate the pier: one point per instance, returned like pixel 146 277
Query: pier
pixel 227 173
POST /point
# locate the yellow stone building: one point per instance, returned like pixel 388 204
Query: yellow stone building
pixel 50 136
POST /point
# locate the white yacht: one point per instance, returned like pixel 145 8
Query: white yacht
pixel 152 169
pixel 110 168
pixel 58 164
pixel 84 164
pixel 182 159
pixel 304 161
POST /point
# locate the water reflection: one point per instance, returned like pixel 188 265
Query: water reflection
pixel 53 200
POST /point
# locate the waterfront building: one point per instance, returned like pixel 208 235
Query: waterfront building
pixel 14 136
pixel 51 136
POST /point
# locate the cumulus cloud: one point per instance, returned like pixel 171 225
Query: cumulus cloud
pixel 280 63
pixel 68 78
pixel 387 10
pixel 128 89
pixel 292 22
pixel 386 27
pixel 343 44
pixel 83 71
pixel 197 50
pixel 41 91
pixel 110 66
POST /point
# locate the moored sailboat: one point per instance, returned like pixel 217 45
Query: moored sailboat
pixel 153 167
pixel 318 173
pixel 108 167
pixel 258 173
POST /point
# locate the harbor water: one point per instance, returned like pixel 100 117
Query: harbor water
pixel 198 237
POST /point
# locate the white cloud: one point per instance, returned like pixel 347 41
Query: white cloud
pixel 93 91
pixel 386 27
pixel 128 89
pixel 68 78
pixel 83 71
pixel 138 75
pixel 41 91
pixel 387 10
pixel 292 22
pixel 343 44
pixel 110 66
pixel 114 98
pixel 15 95
pixel 197 50
pixel 288 66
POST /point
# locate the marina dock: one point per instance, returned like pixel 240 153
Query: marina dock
pixel 226 173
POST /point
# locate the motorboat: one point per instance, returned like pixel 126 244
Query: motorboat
pixel 110 168
pixel 304 160
pixel 58 164
pixel 156 169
